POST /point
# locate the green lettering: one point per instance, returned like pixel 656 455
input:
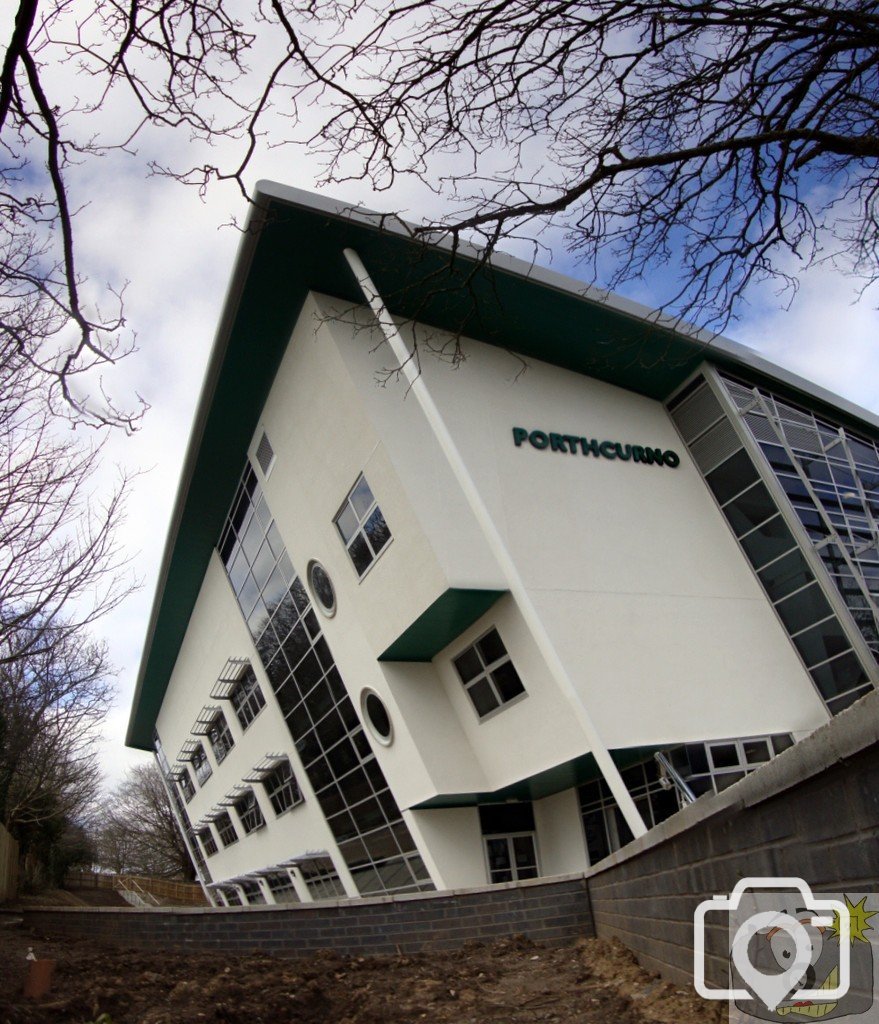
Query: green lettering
pixel 625 456
pixel 672 459
pixel 519 435
pixel 572 443
pixel 637 453
pixel 556 443
pixel 538 439
pixel 607 449
pixel 589 446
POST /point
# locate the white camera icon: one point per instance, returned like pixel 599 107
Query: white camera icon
pixel 795 943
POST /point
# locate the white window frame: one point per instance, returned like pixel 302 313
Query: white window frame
pixel 360 531
pixel 509 837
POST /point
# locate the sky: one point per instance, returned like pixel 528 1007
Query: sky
pixel 176 255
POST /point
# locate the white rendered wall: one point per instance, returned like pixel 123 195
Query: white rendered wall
pixel 646 594
pixel 647 597
pixel 453 841
pixel 560 840
pixel 323 439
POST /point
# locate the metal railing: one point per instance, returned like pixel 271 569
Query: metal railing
pixel 670 778
pixel 134 893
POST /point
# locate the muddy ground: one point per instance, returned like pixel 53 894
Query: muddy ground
pixel 511 981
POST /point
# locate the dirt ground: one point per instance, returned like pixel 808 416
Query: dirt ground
pixel 508 982
pixel 512 981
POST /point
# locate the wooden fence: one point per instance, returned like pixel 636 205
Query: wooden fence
pixel 8 865
pixel 183 893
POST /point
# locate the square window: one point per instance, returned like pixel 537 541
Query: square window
pixel 362 526
pixel 488 675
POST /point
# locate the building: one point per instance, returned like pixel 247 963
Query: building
pixel 486 621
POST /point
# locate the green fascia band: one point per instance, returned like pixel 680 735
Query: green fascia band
pixel 447 618
pixel 554 780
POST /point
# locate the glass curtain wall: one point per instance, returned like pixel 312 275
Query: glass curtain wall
pixel 816 631
pixel 831 478
pixel 326 731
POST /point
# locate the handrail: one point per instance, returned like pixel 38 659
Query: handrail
pixel 670 777
pixel 128 884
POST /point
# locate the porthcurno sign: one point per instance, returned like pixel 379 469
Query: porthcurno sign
pixel 572 444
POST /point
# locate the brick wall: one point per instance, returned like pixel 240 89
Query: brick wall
pixel 812 813
pixel 554 911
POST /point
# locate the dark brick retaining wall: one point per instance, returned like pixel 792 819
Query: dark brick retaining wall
pixel 813 812
pixel 554 911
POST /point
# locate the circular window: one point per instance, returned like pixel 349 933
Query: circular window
pixel 377 716
pixel 322 587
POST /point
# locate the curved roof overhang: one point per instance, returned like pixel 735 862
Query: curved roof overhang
pixel 294 244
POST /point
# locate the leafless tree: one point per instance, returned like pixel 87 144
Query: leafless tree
pixel 702 145
pixel 52 703
pixel 60 569
pixel 726 141
pixel 136 831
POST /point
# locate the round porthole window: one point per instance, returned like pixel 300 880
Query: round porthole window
pixel 377 717
pixel 322 588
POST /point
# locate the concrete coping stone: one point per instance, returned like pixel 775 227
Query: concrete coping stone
pixel 323 905
pixel 844 736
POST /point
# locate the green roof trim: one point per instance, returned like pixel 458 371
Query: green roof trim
pixel 293 244
pixel 554 780
pixel 449 615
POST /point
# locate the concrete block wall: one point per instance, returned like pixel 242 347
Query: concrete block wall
pixel 812 813
pixel 554 911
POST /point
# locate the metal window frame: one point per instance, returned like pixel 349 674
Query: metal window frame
pixel 808 550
